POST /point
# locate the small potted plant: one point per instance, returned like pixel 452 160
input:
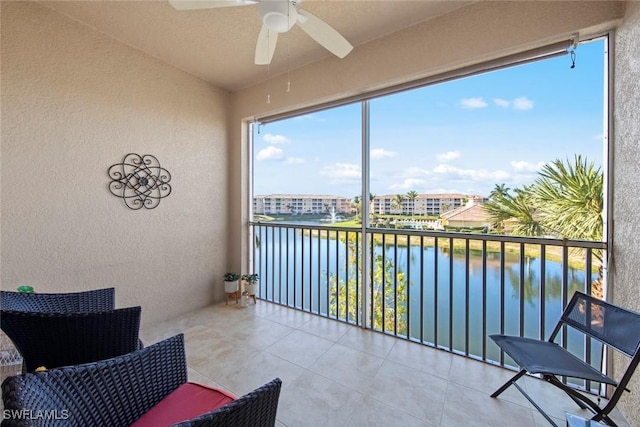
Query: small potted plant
pixel 25 289
pixel 231 282
pixel 251 284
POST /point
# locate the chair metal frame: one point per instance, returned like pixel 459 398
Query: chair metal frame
pixel 590 316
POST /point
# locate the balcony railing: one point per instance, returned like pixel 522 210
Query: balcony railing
pixel 442 289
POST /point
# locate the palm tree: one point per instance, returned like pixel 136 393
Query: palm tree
pixel 497 207
pixel 356 204
pixel 570 199
pixel 394 205
pixel 518 210
pixel 398 202
pixel 566 201
pixel 412 195
pixel 498 191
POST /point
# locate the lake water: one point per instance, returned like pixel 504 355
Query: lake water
pixel 301 269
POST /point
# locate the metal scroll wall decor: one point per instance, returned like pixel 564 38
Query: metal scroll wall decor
pixel 139 181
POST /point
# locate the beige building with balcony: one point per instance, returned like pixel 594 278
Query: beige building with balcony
pixel 423 204
pixel 298 204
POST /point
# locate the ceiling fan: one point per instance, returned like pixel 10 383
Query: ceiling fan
pixel 278 16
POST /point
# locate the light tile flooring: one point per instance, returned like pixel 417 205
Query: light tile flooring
pixel 334 374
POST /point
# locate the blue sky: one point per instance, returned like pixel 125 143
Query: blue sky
pixel 463 136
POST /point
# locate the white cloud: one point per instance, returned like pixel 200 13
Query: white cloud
pixel 412 172
pixel 452 172
pixel 448 156
pixel 341 172
pixel 270 153
pixel 524 166
pixel 294 160
pixel 445 169
pixel 408 184
pixel 381 153
pixel 275 139
pixel 472 103
pixel 522 103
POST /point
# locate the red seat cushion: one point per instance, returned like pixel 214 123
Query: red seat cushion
pixel 184 403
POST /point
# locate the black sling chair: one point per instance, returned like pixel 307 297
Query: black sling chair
pixel 617 328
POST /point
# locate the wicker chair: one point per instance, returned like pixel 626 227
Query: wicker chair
pixel 75 302
pixel 118 391
pixel 59 339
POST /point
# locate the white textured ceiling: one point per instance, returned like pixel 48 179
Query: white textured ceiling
pixel 218 45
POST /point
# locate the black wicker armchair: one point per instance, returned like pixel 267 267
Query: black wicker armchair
pixel 73 302
pixel 121 390
pixel 59 339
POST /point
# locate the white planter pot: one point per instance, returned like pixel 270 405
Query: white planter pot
pixel 251 288
pixel 230 287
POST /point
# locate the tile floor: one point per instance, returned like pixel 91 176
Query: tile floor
pixel 339 375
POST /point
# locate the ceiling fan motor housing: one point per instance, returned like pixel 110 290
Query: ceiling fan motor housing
pixel 278 15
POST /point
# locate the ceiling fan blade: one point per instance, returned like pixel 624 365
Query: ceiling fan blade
pixel 324 34
pixel 208 4
pixel 265 46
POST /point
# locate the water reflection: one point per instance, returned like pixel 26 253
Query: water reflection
pixel 432 294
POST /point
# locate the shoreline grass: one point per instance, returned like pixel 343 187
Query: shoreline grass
pixel 552 253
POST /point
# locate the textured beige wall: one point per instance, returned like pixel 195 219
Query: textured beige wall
pixel 75 102
pixel 472 34
pixel 626 215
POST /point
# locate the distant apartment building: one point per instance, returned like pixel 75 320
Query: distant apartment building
pixel 300 204
pixel 423 204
